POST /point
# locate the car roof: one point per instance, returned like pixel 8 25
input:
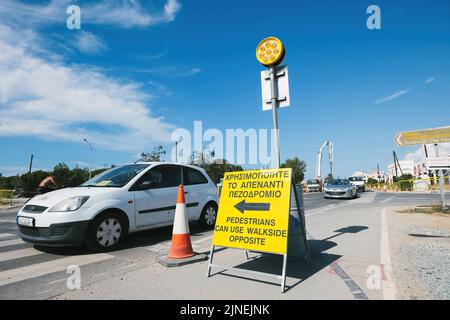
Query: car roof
pixel 154 163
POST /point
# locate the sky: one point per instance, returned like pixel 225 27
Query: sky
pixel 138 70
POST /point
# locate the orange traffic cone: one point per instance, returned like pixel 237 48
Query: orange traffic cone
pixel 181 246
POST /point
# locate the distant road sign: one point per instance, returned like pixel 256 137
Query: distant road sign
pixel 438 163
pixel 282 86
pixel 427 136
pixel 254 210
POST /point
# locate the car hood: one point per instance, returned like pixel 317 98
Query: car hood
pixel 337 187
pixel 52 198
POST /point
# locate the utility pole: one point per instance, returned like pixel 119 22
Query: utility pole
pixel 176 151
pixel 29 173
pixel 378 172
pixel 92 152
pixel 441 178
pixel 395 164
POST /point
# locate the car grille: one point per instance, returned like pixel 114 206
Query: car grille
pixel 45 232
pixel 33 209
pixel 335 193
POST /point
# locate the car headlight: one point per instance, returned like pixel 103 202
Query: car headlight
pixel 71 204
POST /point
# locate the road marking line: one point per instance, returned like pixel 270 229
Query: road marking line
pixel 7 235
pixel 387 285
pixel 15 254
pixel 12 221
pixel 11 242
pixel 208 238
pixel 56 281
pixel 387 200
pixel 42 269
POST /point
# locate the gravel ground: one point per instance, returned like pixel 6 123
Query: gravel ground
pixel 432 262
pixel 421 263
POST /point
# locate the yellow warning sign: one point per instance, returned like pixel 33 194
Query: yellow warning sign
pixel 254 210
pixel 428 136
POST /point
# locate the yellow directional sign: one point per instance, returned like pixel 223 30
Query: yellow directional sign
pixel 254 210
pixel 428 136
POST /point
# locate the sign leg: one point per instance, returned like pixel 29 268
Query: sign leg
pixel 211 253
pixel 283 274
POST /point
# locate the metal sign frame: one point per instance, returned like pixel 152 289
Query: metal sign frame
pixel 281 277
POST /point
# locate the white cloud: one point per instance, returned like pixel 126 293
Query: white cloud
pixel 88 43
pixel 117 13
pixel 43 97
pixel 429 80
pixel 392 96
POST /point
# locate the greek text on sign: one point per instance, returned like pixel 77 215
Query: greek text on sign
pixel 427 136
pixel 254 210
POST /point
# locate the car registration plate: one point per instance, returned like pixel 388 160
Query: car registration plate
pixel 25 221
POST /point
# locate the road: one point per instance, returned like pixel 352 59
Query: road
pixel 345 236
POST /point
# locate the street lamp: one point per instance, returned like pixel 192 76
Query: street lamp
pixel 92 151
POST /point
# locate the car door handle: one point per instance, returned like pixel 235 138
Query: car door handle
pixel 186 192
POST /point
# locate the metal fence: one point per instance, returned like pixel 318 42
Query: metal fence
pixel 6 197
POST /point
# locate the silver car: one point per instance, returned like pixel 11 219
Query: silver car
pixel 340 188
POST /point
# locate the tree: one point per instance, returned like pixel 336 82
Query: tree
pixel 61 172
pixel 216 170
pixel 298 168
pixel 154 156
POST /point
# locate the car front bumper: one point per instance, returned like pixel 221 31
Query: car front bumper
pixel 59 234
pixel 337 194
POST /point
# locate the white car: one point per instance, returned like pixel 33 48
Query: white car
pixel 358 182
pixel 122 200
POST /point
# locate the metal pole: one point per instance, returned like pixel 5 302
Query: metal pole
pixel 176 151
pixel 92 152
pixel 274 99
pixel 441 178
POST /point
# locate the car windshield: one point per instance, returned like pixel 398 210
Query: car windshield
pixel 313 181
pixel 115 177
pixel 339 182
pixel 355 179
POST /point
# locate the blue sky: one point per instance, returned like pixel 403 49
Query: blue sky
pixel 138 70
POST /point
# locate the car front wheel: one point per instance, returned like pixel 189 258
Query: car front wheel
pixel 106 232
pixel 208 216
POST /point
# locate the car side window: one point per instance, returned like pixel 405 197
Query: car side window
pixel 160 177
pixel 192 176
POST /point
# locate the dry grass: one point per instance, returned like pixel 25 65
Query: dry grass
pixel 434 209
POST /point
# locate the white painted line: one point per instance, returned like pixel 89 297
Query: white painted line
pixel 56 281
pixel 387 200
pixel 208 238
pixel 42 269
pixel 11 242
pixel 43 292
pixel 7 235
pixel 15 254
pixel 387 284
pixel 12 221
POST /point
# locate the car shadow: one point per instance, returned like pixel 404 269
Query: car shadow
pixel 134 240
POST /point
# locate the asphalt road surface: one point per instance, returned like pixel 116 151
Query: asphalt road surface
pixel 344 235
